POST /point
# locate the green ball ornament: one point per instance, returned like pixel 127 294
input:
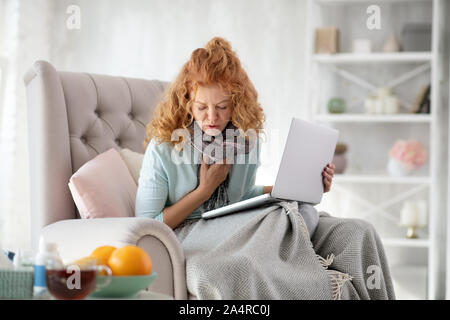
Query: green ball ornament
pixel 336 105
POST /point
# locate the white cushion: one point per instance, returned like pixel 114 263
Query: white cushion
pixel 133 160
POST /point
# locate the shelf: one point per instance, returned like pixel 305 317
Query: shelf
pixel 403 242
pixel 415 264
pixel 366 2
pixel 377 57
pixel 410 282
pixel 407 118
pixel 349 178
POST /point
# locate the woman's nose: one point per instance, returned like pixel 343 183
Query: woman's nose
pixel 212 114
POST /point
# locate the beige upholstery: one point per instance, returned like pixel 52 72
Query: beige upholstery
pixel 72 117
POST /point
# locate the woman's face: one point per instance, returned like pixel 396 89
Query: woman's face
pixel 212 109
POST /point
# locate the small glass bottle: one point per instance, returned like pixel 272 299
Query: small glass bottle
pixel 47 256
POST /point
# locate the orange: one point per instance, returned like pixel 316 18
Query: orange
pixel 85 262
pixel 102 254
pixel 130 261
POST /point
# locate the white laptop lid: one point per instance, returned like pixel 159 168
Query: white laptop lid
pixel 309 148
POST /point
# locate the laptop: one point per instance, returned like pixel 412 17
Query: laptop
pixel 309 148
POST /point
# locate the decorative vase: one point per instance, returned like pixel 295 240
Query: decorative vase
pixel 392 44
pixel 397 169
pixel 336 105
pixel 340 162
pixel 339 158
pixel 327 40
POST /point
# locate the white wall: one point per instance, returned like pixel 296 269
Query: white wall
pixel 148 39
pixel 153 39
pixel 26 38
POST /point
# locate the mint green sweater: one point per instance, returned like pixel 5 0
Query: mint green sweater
pixel 163 182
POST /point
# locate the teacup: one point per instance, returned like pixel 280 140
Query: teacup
pixel 76 281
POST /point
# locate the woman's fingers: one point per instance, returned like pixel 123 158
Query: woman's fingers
pixel 327 174
pixel 330 168
pixel 224 168
pixel 205 161
pixel 219 170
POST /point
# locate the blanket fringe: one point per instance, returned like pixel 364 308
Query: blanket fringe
pixel 338 279
pixel 326 262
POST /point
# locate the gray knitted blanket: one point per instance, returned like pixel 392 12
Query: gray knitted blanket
pixel 267 253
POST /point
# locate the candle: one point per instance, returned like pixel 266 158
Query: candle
pixel 369 105
pixel 379 106
pixel 414 213
pixel 391 104
pixel 408 214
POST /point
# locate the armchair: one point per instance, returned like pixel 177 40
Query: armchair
pixel 72 118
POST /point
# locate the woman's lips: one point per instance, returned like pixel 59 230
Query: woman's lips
pixel 212 127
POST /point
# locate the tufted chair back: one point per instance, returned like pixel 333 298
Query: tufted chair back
pixel 73 117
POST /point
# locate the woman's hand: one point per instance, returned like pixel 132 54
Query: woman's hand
pixel 328 174
pixel 211 176
pixel 267 189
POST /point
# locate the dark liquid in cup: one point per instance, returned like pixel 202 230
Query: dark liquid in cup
pixel 60 288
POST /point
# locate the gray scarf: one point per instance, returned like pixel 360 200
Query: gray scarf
pixel 216 148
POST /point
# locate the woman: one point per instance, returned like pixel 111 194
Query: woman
pixel 211 95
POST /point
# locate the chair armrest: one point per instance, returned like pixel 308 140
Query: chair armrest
pixel 77 238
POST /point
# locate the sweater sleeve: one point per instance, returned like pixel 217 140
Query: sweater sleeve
pixel 153 186
pixel 253 190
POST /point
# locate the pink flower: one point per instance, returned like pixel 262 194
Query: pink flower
pixel 411 154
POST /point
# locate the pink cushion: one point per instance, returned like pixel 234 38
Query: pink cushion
pixel 103 187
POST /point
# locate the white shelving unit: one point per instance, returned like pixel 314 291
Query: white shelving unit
pixel 381 179
pixel 344 66
pixel 351 58
pixel 358 118
pixel 447 293
pixel 365 1
pixel 413 243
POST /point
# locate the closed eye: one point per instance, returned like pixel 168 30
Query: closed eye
pixel 204 108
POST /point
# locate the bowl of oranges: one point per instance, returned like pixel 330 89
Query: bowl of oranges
pixel 131 269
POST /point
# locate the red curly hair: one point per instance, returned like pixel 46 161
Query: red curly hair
pixel 216 64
